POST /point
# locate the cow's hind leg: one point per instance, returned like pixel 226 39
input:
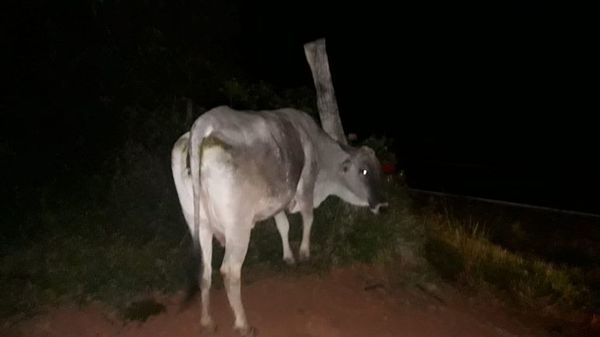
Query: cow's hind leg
pixel 206 237
pixel 283 226
pixel 236 246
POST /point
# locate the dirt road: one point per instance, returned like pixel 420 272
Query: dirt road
pixel 349 302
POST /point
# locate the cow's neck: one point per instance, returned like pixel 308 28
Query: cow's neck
pixel 328 179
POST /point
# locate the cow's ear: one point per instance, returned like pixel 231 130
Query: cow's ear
pixel 345 166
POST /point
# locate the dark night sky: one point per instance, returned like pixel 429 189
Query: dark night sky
pixel 474 94
pixel 488 99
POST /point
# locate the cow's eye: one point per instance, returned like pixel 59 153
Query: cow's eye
pixel 364 172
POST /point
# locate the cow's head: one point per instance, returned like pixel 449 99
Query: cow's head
pixel 362 177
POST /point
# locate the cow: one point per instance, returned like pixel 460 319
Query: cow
pixel 247 166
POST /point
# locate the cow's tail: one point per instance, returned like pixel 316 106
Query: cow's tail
pixel 196 137
pixel 183 184
pixel 182 178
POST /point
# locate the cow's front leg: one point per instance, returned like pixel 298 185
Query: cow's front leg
pixel 307 220
pixel 283 226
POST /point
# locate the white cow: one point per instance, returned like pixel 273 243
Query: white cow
pixel 248 166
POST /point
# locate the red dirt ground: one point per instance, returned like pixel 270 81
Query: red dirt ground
pixel 343 303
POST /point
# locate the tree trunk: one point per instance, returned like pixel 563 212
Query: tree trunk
pixel 316 55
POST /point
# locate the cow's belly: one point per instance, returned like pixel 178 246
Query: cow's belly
pixel 268 207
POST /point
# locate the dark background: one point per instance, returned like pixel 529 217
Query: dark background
pixel 493 99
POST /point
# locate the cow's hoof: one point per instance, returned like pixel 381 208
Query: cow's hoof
pixel 208 327
pixel 246 331
pixel 304 256
pixel 290 261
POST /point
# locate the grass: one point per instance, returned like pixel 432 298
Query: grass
pixel 83 269
pixel 462 251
